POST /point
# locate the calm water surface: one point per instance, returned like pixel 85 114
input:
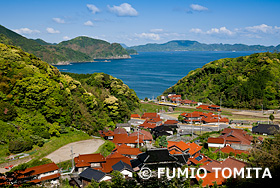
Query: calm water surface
pixel 150 73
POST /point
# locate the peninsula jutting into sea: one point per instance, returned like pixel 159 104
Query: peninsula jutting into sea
pixel 112 94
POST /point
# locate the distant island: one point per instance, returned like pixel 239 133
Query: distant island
pixel 79 49
pixel 188 45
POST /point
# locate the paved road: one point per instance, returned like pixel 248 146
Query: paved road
pixel 167 117
pixel 80 147
pixel 187 127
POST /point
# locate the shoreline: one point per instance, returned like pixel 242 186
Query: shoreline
pixel 94 60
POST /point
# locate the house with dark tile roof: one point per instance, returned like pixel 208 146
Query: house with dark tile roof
pixel 112 159
pixel 124 168
pixel 154 158
pixel 265 129
pixel 90 174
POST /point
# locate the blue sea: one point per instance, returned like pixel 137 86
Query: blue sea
pixel 150 73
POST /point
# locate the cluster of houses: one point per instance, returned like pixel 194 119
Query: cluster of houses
pixel 198 117
pixel 174 98
pixel 127 158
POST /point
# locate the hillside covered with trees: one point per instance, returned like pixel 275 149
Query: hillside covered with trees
pixel 188 45
pixel 80 49
pixel 95 48
pixel 38 102
pixel 242 82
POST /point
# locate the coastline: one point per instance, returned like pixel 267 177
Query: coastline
pixel 94 60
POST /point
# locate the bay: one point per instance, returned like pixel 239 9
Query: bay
pixel 150 73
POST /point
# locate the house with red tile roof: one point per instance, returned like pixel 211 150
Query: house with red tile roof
pixel 209 107
pixel 156 121
pixel 229 162
pixel 111 160
pixel 202 117
pixel 182 147
pixel 149 115
pixel 47 172
pixel 199 158
pixel 119 130
pixel 216 142
pixel 107 134
pixel 88 160
pixel 175 98
pixel 135 116
pixel 127 151
pixel 132 141
pixel 236 138
pixel 188 102
pixel 144 135
pixel 147 125
pixel 228 150
pixel 171 122
pixel 210 179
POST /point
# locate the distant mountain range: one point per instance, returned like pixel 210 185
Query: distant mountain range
pixel 188 45
pixel 80 49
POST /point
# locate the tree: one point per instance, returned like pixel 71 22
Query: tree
pixel 271 117
pixel 117 180
pixel 163 142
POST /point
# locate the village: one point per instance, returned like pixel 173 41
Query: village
pixel 153 140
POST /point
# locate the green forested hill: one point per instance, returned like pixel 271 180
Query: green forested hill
pixel 80 49
pixel 96 48
pixel 38 102
pixel 243 82
pixel 49 53
pixel 188 45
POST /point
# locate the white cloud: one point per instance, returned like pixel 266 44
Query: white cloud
pixel 124 9
pixel 66 38
pixel 150 36
pixel 260 28
pixel 59 20
pixel 92 8
pixel 156 30
pixel 89 23
pixel 52 30
pixel 222 30
pixel 196 30
pixel 26 31
pixel 197 7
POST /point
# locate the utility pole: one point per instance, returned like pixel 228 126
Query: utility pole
pixel 138 137
pixel 72 156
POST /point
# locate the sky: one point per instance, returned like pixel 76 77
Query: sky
pixel 137 22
